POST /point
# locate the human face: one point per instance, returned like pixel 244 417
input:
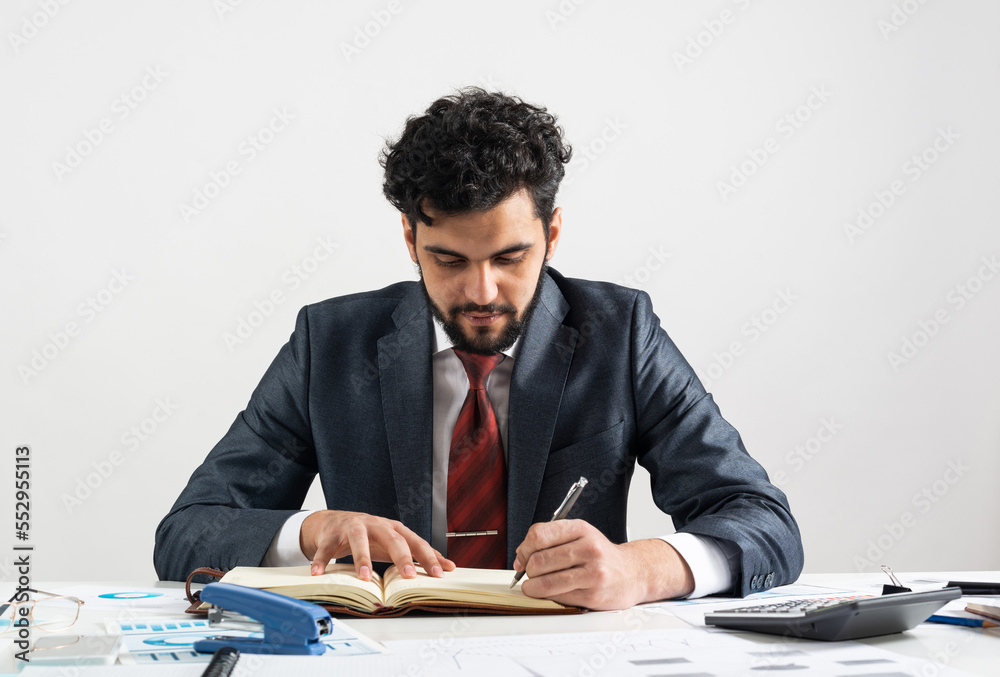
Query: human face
pixel 481 270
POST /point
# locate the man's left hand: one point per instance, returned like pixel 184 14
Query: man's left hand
pixel 571 562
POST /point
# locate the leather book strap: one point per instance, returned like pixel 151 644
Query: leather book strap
pixel 195 597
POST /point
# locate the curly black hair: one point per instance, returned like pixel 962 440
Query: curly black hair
pixel 472 150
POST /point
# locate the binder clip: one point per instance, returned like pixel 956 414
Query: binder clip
pixel 896 585
pixel 290 626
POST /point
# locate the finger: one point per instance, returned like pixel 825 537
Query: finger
pixel 522 556
pixel 311 530
pixel 561 586
pixel 325 551
pixel 583 587
pixel 318 565
pixel 389 537
pixel 556 558
pixel 326 545
pixel 357 538
pixel 523 552
pixel 430 559
pixel 549 534
pixel 546 537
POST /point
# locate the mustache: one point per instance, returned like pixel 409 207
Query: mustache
pixel 491 308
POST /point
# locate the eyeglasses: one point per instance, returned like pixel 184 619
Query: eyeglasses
pixel 53 613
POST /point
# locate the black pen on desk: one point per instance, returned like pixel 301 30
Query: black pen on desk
pixel 223 662
pixel 975 588
pixel 560 513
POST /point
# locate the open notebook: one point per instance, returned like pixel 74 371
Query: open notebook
pixel 339 589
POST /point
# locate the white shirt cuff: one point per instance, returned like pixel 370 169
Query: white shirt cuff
pixel 285 550
pixel 707 561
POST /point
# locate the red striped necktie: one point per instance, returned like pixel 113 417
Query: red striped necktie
pixel 477 477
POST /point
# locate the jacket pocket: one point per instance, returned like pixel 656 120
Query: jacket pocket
pixel 589 455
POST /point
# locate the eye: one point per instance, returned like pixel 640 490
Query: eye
pixel 447 263
pixel 509 260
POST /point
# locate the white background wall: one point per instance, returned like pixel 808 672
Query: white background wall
pixel 819 106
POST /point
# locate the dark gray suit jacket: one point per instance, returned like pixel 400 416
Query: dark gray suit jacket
pixel 597 385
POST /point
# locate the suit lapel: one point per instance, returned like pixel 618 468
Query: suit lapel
pixel 404 364
pixel 540 369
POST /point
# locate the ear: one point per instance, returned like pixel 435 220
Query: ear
pixel 408 235
pixel 554 229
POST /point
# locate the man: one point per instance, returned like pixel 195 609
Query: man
pixel 452 415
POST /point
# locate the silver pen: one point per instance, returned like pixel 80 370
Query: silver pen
pixel 560 513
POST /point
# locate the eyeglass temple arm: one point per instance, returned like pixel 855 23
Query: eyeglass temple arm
pixel 3 606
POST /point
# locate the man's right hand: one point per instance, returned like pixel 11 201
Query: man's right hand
pixel 330 534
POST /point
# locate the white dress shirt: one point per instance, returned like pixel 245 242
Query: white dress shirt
pixel 703 555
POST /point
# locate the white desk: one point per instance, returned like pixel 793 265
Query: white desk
pixel 974 650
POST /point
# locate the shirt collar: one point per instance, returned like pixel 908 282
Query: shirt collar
pixel 442 342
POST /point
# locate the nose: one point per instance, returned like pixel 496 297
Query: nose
pixel 481 287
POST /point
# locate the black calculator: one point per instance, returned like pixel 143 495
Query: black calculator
pixel 837 618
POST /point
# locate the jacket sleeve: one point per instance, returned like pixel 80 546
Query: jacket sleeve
pixel 702 475
pixel 253 479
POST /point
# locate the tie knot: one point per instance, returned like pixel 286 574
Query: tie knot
pixel 478 367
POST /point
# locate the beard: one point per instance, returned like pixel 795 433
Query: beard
pixel 482 342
